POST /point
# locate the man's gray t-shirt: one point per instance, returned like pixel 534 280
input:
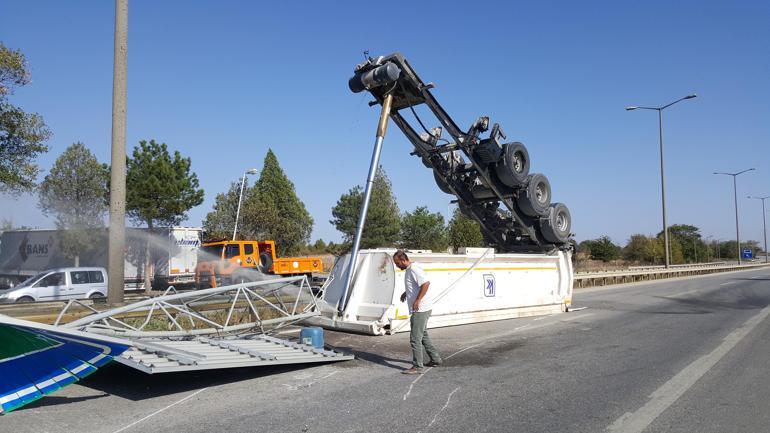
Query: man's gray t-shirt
pixel 414 277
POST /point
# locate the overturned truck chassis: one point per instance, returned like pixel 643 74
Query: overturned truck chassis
pixel 495 173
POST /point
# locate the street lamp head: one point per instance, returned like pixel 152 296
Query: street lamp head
pixel 252 171
pixel 691 96
pixel 631 108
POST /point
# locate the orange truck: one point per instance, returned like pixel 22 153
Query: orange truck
pixel 219 262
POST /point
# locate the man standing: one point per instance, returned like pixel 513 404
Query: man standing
pixel 420 305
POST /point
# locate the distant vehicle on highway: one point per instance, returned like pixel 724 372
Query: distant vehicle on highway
pixel 173 251
pixel 59 284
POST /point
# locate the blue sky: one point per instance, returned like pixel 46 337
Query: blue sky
pixel 224 81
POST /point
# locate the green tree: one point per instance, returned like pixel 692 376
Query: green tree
pixel 689 238
pixel 21 134
pixel 603 249
pixel 585 246
pixel 74 192
pixel 219 223
pixel 637 249
pixel 318 246
pixel 676 251
pixel 464 232
pixel 272 210
pixel 423 230
pixel 727 249
pixel 160 189
pixel 655 251
pixel 383 220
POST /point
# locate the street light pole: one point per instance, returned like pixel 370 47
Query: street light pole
pixel 240 199
pixel 735 197
pixel 662 171
pixel 764 222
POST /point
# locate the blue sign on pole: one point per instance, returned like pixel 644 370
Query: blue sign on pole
pixel 747 254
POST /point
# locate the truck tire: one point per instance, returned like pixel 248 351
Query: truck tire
pixel 513 169
pixel 557 225
pixel 265 262
pixel 536 197
pixel 443 186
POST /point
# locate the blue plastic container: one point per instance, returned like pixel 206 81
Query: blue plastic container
pixel 312 335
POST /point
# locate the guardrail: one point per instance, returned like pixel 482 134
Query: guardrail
pixel 603 278
pixel 690 265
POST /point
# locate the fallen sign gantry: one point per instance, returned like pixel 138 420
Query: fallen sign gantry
pixel 204 353
pixel 178 332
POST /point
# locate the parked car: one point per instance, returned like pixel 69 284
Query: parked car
pixel 59 284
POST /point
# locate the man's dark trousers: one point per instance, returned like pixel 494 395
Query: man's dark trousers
pixel 418 338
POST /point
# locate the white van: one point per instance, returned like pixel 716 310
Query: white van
pixel 59 284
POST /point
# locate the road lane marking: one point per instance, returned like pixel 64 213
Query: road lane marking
pixel 443 408
pixel 729 282
pixel 671 391
pixel 689 292
pixel 161 410
pixel 291 387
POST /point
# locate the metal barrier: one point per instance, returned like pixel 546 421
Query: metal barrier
pixel 591 279
pixel 689 265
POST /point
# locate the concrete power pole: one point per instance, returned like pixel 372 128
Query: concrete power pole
pixel 117 230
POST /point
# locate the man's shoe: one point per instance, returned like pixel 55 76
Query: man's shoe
pixel 412 370
pixel 434 364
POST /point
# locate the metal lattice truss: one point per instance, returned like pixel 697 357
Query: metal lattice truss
pixel 261 306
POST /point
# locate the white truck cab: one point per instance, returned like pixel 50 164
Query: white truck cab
pixel 59 284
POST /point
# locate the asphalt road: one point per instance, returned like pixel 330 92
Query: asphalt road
pixel 686 355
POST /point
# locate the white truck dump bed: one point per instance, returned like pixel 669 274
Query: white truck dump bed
pixel 476 286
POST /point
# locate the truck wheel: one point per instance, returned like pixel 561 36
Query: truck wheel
pixel 556 226
pixel 514 167
pixel 24 300
pixel 443 186
pixel 536 197
pixel 266 261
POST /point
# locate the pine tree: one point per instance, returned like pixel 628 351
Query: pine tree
pixel 273 210
pixel 75 192
pixel 159 190
pixel 383 220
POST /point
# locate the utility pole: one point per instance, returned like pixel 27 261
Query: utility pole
pixel 764 221
pixel 117 229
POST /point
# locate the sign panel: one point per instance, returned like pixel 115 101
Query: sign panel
pixel 489 285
